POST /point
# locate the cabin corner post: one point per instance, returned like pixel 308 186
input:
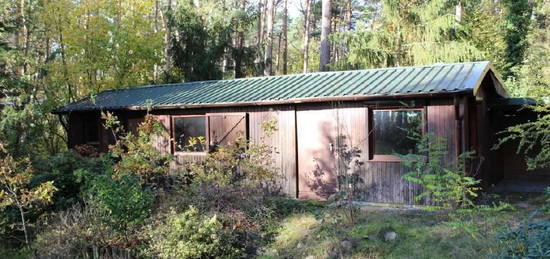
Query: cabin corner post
pixel 461 138
pixel 458 127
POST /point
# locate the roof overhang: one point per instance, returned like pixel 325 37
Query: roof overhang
pixel 275 102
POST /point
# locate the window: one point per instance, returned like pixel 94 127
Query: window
pixel 189 134
pixel 91 130
pixel 132 125
pixel 391 132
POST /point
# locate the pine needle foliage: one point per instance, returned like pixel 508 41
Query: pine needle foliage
pixel 412 33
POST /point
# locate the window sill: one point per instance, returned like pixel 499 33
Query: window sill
pixel 385 158
pixel 180 153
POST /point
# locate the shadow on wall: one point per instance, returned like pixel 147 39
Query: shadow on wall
pixel 321 180
pixel 337 167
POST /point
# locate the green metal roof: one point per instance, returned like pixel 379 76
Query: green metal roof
pixel 324 86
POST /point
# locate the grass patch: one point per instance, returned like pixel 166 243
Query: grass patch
pixel 420 234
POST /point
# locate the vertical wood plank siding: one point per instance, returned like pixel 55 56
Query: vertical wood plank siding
pixel 441 123
pixel 283 141
pixel 304 141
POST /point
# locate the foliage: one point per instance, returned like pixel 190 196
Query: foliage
pixel 15 176
pixel 518 20
pixel 349 180
pixel 80 232
pixel 531 239
pixel 134 153
pixel 240 164
pixel 533 138
pixel 122 203
pixel 60 169
pixel 234 180
pixel 411 33
pixel 203 37
pixel 531 75
pixel 193 235
pixel 444 185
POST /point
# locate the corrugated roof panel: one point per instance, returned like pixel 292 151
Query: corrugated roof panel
pixel 438 78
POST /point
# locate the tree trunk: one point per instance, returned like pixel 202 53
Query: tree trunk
pixel 261 18
pixel 167 38
pixel 325 33
pixel 23 224
pixel 240 44
pixel 279 40
pixel 399 51
pixel 307 6
pixel 155 29
pixel 268 58
pixel 349 15
pixel 285 37
pixel 458 13
pixel 260 37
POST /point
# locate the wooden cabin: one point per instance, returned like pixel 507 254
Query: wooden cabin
pixel 313 114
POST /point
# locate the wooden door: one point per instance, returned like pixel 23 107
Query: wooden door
pixel 316 130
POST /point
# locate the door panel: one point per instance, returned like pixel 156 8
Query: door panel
pixel 316 131
pixel 226 128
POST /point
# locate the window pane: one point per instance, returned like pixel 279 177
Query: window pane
pixel 391 131
pixel 187 130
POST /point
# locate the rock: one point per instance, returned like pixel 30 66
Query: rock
pixel 347 245
pixel 390 236
pixel 310 257
pixel 333 253
pixel 299 245
pixel 522 205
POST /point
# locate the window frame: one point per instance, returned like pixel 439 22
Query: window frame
pixel 371 133
pixel 173 133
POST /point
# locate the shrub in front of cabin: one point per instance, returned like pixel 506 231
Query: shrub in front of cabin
pixel 122 203
pixel 192 234
pixel 233 182
pixel 445 185
pixel 134 152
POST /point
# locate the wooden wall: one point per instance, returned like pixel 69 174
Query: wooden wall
pixel 283 140
pixel 320 127
pixel 305 140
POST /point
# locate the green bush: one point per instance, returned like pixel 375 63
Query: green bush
pixel 122 202
pixel 60 170
pixel 444 185
pixel 529 241
pixel 135 154
pixel 193 235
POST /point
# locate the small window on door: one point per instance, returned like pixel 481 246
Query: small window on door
pixel 189 133
pixel 394 131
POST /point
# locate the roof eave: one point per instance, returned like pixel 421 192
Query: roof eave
pixel 271 102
